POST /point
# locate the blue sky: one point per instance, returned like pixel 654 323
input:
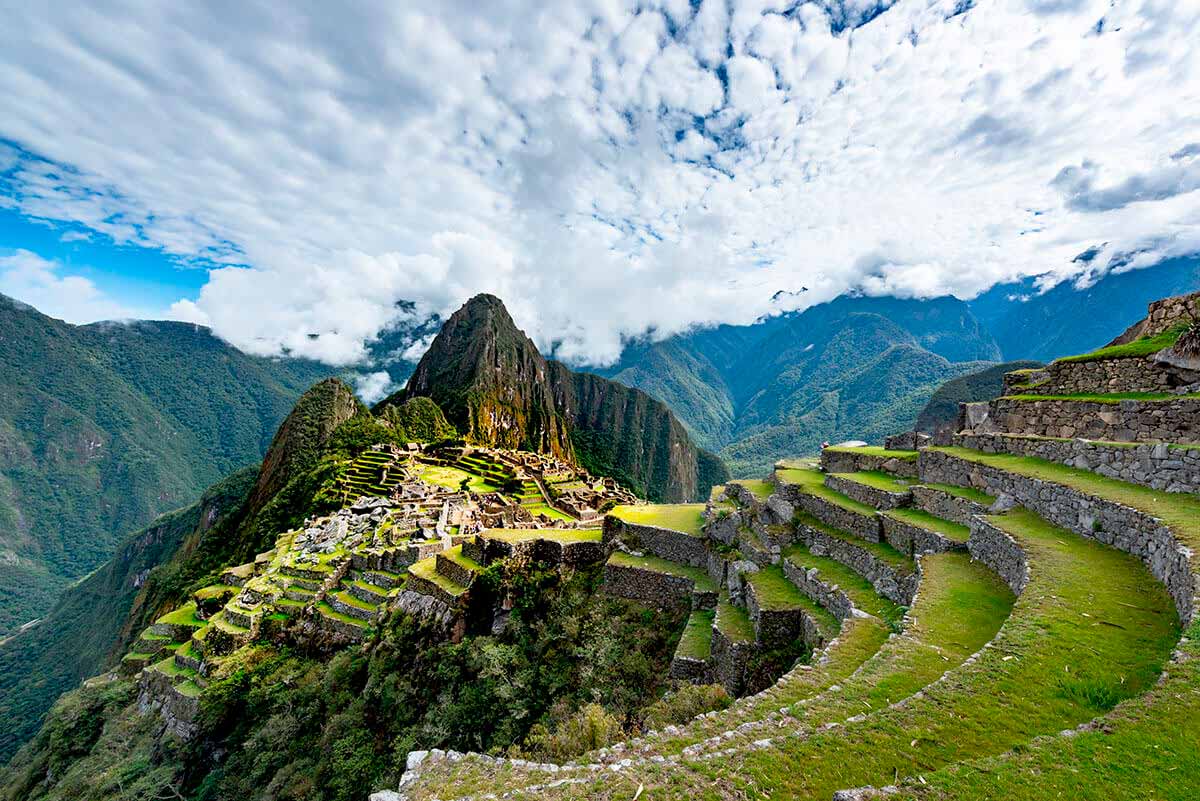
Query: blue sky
pixel 301 178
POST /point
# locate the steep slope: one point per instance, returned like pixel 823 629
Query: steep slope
pixel 851 368
pixel 103 427
pixel 941 412
pixel 94 621
pixel 499 391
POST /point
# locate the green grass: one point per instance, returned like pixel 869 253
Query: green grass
pixel 183 616
pixel 427 569
pixel 1180 511
pixel 1139 347
pixel 922 519
pixel 328 611
pixel 1093 627
pixel 550 512
pixel 857 589
pixel 1111 399
pixel 878 480
pixel 966 493
pixel 881 550
pixel 774 592
pixel 350 600
pixel 452 478
pixel 685 517
pixel 563 535
pixel 759 488
pixel 813 483
pixel 696 641
pixel 701 578
pixel 733 622
pixel 455 555
pixel 875 450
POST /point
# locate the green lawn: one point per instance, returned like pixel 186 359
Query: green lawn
pixel 452 478
pixel 427 569
pixel 1139 347
pixel 701 578
pixel 966 493
pixel 857 589
pixel 328 611
pixel 881 550
pixel 183 616
pixel 759 488
pixel 556 534
pixel 774 592
pixel 685 517
pixel 455 555
pixel 813 483
pixel 922 519
pixel 733 622
pixel 875 450
pixel 878 480
pixel 696 641
pixel 550 512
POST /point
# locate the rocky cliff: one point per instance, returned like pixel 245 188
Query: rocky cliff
pixel 496 387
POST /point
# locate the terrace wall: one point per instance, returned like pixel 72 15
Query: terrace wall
pixel 945 505
pixel 674 546
pixel 889 582
pixel 1134 374
pixel 1174 420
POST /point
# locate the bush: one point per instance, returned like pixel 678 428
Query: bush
pixel 588 729
pixel 684 704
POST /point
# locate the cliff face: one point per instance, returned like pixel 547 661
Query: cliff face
pixel 496 387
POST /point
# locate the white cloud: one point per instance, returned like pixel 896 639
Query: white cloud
pixel 31 279
pixel 607 167
pixel 374 387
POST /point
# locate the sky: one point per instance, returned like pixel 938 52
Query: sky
pixel 303 178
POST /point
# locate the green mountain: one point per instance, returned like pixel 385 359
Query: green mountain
pixel 105 426
pixel 853 368
pixel 941 412
pixel 499 391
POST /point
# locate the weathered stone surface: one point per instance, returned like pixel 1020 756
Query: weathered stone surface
pixel 871 496
pixel 654 588
pixel 1000 552
pixel 831 514
pixel 945 505
pixel 1152 465
pixel 157 693
pixel 1137 374
pixel 911 540
pixel 1173 420
pixel 729 661
pixel 852 461
pixel 898 586
pixel 674 546
pixel 825 594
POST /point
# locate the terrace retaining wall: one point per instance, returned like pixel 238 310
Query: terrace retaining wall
pixel 852 461
pixel 1173 420
pixel 656 589
pixel 1109 522
pixel 1153 465
pixel 729 661
pixel 996 548
pixel 1132 374
pixel 674 546
pixel 889 582
pixel 911 540
pixel 871 496
pixel 945 505
pixel 861 525
pixel 828 596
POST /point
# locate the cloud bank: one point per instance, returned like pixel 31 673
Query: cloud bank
pixel 608 168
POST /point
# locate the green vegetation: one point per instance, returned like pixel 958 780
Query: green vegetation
pixel 427 569
pixel 733 622
pixel 701 578
pixel 922 519
pixel 879 480
pixel 941 413
pixel 881 550
pixel 1110 398
pixel 452 478
pixel 874 450
pixel 813 483
pixel 857 589
pixel 696 640
pixel 563 535
pixel 685 517
pixel 759 488
pixel 966 493
pixel 1130 350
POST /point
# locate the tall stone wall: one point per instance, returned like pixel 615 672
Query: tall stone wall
pixel 852 460
pixel 1000 552
pixel 893 584
pixel 1163 315
pixel 1158 466
pixel 674 546
pixel 911 540
pixel 1111 523
pixel 823 593
pixel 1137 374
pixel 1173 420
pixel 940 503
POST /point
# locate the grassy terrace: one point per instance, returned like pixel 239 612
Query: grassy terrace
pixel 922 519
pixel 1074 646
pixel 881 550
pixel 733 622
pixel 1180 511
pixel 455 555
pixel 813 483
pixel 557 534
pixel 427 569
pixel 774 592
pixel 1112 398
pixel 685 517
pixel 549 511
pixel 350 600
pixel 1130 350
pixel 857 589
pixel 966 493
pixel 452 478
pixel 878 480
pixel 702 580
pixel 759 488
pixel 875 450
pixel 328 611
pixel 696 641
pixel 183 616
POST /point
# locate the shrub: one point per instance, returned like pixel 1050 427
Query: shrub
pixel 590 728
pixel 684 704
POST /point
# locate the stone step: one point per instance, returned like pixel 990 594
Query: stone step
pixel 299 594
pixel 1160 466
pixel 806 489
pixel 367 592
pixel 350 627
pixel 424 578
pixel 875 489
pixel 346 604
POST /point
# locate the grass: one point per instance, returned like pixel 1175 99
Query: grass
pixel 1111 399
pixel 183 616
pixel 563 535
pixel 701 578
pixel 696 641
pixel 550 512
pixel 733 622
pixel 857 589
pixel 922 519
pixel 881 550
pixel 685 517
pixel 452 478
pixel 966 493
pixel 774 592
pixel 878 480
pixel 427 569
pixel 455 555
pixel 758 487
pixel 328 611
pixel 1074 644
pixel 1130 350
pixel 875 450
pixel 350 600
pixel 1180 511
pixel 813 483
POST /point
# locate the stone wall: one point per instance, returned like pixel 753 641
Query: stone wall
pixel 864 526
pixel 1000 552
pixel 852 461
pixel 911 540
pixel 729 661
pixel 871 496
pixel 1163 315
pixel 889 582
pixel 674 546
pixel 826 595
pixel 656 589
pixel 432 589
pixel 907 441
pixel 452 570
pixel 1173 469
pixel 1114 524
pixel 687 668
pixel 157 693
pixel 777 627
pixel 945 505
pixel 1174 420
pixel 1136 374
